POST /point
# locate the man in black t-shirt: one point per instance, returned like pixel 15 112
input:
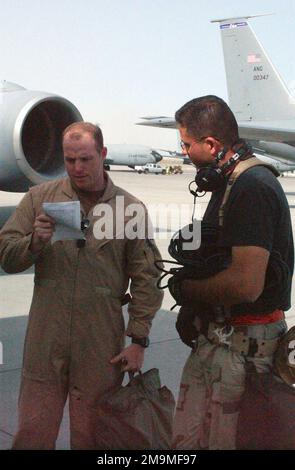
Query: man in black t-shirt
pixel 253 291
pixel 256 214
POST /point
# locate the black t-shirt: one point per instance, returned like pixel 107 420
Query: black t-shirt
pixel 256 214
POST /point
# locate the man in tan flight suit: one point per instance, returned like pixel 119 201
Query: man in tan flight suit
pixel 75 337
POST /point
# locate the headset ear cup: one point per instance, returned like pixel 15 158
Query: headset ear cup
pixel 209 179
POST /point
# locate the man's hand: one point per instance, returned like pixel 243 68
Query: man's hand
pixel 131 358
pixel 43 231
pixel 185 326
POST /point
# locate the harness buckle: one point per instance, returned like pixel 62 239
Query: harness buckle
pixel 223 334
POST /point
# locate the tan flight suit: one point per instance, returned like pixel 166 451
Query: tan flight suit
pixel 75 323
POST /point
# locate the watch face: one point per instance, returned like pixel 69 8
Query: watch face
pixel 144 342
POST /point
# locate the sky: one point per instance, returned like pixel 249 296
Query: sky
pixel 118 60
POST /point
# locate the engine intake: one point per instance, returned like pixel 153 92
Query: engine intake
pixel 31 124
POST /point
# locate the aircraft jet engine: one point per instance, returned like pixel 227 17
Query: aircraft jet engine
pixel 31 126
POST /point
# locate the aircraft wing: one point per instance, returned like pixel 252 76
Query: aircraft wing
pixel 154 117
pixel 154 121
pixel 273 131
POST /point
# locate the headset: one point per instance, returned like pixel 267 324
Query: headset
pixel 212 177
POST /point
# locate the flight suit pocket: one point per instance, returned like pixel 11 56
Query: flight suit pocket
pixel 108 292
pixel 101 290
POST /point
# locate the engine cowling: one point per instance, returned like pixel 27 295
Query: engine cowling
pixel 31 126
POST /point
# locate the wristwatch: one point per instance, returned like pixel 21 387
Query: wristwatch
pixel 144 342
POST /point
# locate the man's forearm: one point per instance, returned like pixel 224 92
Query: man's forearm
pixel 15 255
pixel 36 245
pixel 225 288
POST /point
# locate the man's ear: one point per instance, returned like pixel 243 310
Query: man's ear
pixel 103 153
pixel 213 144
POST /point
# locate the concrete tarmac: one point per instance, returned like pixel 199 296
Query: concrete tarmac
pixel 166 351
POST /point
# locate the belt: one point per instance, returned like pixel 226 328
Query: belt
pixel 239 342
pixel 258 319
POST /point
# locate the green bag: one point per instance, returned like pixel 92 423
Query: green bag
pixel 136 416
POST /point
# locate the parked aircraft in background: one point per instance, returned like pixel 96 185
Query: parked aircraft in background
pixel 261 102
pixel 130 155
pixel 282 167
pixel 176 155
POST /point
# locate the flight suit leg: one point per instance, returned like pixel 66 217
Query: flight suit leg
pixel 84 402
pixel 41 406
pixel 82 422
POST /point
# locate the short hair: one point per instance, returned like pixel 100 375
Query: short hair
pixel 209 116
pixel 77 129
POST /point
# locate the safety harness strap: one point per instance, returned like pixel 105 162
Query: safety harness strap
pixel 239 169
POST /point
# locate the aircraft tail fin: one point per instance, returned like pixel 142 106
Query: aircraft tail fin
pixel 255 89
